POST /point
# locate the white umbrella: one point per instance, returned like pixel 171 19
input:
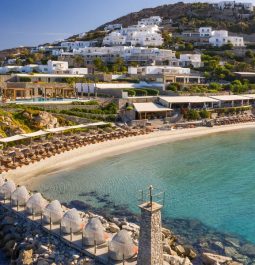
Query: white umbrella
pixel 53 212
pixel 71 222
pixel 20 196
pixel 36 204
pixel 94 233
pixel 7 189
pixel 121 246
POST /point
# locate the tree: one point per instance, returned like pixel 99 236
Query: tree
pixel 78 60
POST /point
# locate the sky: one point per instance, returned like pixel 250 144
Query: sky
pixel 33 22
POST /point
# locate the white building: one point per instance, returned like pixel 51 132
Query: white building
pixel 52 67
pixel 205 31
pixel 111 27
pixel 128 54
pixel 220 38
pixel 146 33
pixel 71 45
pixel 234 5
pixel 158 70
pixel 155 20
pixel 190 59
pixel 57 66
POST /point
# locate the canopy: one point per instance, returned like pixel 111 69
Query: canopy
pixel 71 222
pixel 7 189
pixel 94 233
pixel 35 134
pixel 149 107
pixel 36 204
pixel 13 138
pixel 65 128
pixel 20 196
pixel 121 246
pixel 53 212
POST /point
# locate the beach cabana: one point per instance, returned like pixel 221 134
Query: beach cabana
pixel 122 246
pixel 53 212
pixel 94 233
pixel 71 222
pixel 232 100
pixel 36 204
pixel 188 102
pixel 20 196
pixel 7 189
pixel 150 109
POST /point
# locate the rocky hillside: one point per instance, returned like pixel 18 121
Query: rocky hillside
pixel 190 16
pixel 27 120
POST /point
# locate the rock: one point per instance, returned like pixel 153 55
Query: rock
pixel 248 249
pixel 167 249
pixel 233 263
pixel 75 256
pixel 25 257
pixel 190 253
pixel 166 232
pixel 230 251
pixel 180 250
pixel 212 259
pixel 42 262
pixel 113 228
pixel 9 246
pixel 233 241
pixel 176 260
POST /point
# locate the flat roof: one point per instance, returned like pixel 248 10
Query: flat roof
pixel 250 96
pixel 149 107
pixel 230 97
pixel 188 99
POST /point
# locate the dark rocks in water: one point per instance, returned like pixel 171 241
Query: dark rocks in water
pixel 248 249
pixel 80 205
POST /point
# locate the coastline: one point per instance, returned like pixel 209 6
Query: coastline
pixel 34 173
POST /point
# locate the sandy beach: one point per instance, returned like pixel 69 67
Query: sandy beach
pixel 33 173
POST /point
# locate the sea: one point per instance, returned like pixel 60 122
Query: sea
pixel 206 186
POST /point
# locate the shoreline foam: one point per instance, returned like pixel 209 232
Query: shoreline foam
pixel 34 173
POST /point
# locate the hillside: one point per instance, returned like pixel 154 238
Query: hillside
pixel 190 16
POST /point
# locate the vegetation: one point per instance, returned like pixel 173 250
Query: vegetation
pixel 191 114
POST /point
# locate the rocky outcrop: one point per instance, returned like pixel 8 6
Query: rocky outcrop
pixel 41 119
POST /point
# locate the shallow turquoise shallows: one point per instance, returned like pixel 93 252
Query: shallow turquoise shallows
pixel 210 178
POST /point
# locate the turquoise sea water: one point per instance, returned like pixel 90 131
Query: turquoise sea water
pixel 210 179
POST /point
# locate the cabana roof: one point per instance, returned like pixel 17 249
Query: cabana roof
pixel 230 97
pixel 149 107
pixel 80 126
pixel 188 99
pixel 35 134
pixel 14 138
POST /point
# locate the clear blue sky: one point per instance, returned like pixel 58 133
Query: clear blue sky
pixel 31 22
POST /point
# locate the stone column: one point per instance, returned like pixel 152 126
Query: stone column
pixel 150 241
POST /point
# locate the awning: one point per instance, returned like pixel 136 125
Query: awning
pixel 149 107
pixel 80 126
pixel 13 138
pixel 35 134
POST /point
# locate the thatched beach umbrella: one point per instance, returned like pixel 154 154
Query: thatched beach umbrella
pixel 122 247
pixel 53 212
pixel 71 222
pixel 36 204
pixel 20 196
pixel 7 189
pixel 94 233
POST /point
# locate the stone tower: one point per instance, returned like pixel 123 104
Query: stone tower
pixel 150 241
